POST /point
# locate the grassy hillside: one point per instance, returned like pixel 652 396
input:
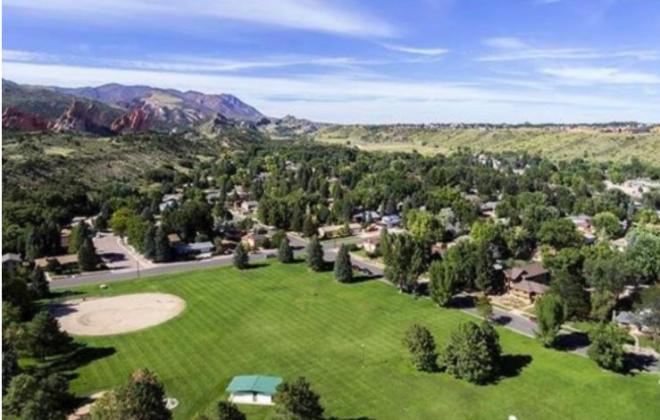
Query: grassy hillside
pixel 346 339
pixel 616 147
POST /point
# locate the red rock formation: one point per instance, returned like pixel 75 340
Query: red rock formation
pixel 134 121
pixel 14 119
pixel 80 116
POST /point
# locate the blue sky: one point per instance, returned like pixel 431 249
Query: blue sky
pixel 357 61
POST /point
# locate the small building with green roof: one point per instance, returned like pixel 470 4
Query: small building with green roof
pixel 253 389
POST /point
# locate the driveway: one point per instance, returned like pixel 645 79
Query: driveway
pixel 114 254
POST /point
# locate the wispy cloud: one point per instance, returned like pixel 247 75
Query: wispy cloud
pixel 313 15
pixel 431 52
pixel 205 64
pixel 601 75
pixel 515 49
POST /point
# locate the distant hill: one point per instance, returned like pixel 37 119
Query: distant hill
pixel 169 108
pixel 115 108
pixel 597 143
pixel 45 102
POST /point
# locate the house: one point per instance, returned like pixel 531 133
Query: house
pixel 239 192
pixel 371 245
pixel 212 195
pixel 583 225
pixel 488 208
pixel 252 240
pixel 65 235
pixel 174 239
pixel 335 230
pixel 528 282
pixel 620 244
pixel 253 389
pixel 195 248
pixel 167 204
pixel 62 260
pixel 11 261
pixel 391 220
pixel 366 216
pixel 248 207
pixel 634 321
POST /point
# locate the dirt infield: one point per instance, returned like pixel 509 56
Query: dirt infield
pixel 118 314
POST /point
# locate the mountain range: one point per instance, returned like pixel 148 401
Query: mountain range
pixel 114 108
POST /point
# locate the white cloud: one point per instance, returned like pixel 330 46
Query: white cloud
pixel 314 15
pixel 505 42
pixel 203 64
pixel 433 52
pixel 515 49
pixel 346 98
pixel 602 75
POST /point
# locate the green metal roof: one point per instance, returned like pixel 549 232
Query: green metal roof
pixel 254 383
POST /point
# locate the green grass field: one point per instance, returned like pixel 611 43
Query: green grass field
pixel 346 339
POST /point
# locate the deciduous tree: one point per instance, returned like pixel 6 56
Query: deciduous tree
pixel 473 353
pixel 550 317
pixel 141 398
pixel 297 400
pixel 229 411
pixel 606 347
pixel 443 285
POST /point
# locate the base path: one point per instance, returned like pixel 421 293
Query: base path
pixel 118 314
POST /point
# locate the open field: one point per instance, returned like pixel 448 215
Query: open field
pixel 596 146
pixel 284 320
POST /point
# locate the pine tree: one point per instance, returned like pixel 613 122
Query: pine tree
pixel 44 336
pixel 241 257
pixel 78 235
pixel 87 257
pixel 163 249
pixel 384 244
pixel 38 283
pixel 285 253
pixel 343 269
pixel 315 255
pixel 149 244
pixel 10 366
pixel 486 276
pixel 421 346
pixel 309 227
pixel 296 223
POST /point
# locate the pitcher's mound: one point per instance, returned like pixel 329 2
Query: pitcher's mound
pixel 118 314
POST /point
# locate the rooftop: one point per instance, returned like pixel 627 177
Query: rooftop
pixel 266 385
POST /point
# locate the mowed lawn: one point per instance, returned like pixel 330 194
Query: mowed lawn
pixel 346 339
